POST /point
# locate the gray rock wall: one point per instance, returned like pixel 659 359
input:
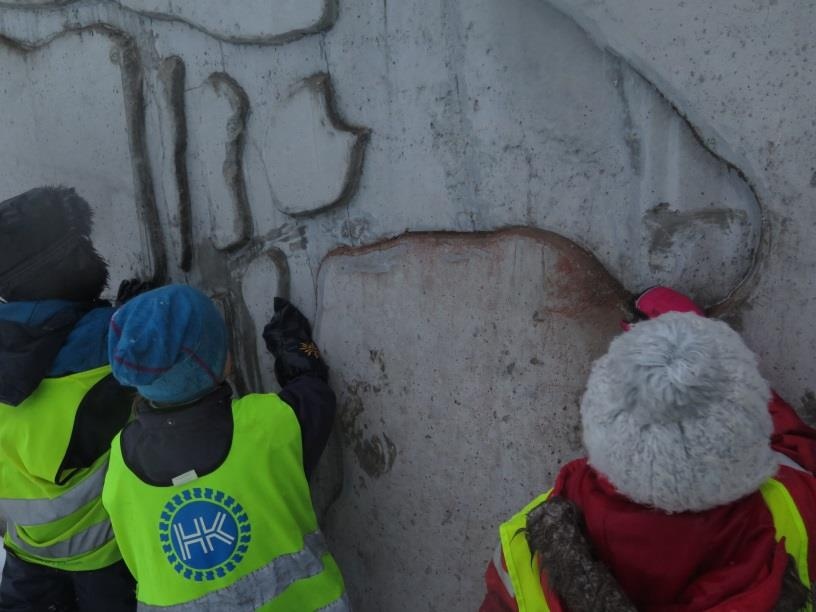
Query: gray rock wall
pixel 459 362
pixel 365 158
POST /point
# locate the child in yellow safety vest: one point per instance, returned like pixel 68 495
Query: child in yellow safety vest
pixel 207 492
pixel 59 409
pixel 697 494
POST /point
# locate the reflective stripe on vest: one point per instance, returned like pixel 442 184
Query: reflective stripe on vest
pixel 502 572
pixel 48 510
pixel 83 542
pixel 525 573
pixel 263 585
pixel 51 522
pixel 338 605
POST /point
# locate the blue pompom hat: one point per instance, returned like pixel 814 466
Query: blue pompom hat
pixel 169 343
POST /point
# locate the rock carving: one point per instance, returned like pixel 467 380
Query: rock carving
pixel 263 22
pixel 172 76
pixel 215 160
pixel 257 21
pixel 309 134
pixel 50 92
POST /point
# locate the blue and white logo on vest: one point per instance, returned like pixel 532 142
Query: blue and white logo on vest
pixel 204 533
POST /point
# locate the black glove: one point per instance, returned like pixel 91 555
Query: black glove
pixel 129 289
pixel 288 337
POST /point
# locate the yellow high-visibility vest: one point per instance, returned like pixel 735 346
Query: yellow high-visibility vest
pixel 524 569
pixel 48 521
pixel 244 537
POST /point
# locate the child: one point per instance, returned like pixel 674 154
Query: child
pixel 697 493
pixel 59 410
pixel 208 495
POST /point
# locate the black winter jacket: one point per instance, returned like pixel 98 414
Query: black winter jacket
pixel 162 443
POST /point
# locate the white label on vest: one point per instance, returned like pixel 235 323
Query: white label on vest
pixel 185 478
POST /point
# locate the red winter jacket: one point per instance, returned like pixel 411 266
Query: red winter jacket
pixel 721 560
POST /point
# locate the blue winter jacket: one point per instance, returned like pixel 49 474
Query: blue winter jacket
pixel 53 338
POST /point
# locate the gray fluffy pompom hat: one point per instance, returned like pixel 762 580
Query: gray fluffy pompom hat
pixel 675 415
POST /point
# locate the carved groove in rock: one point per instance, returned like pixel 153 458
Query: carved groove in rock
pixel 263 22
pixel 132 83
pixel 329 155
pixel 216 161
pixel 261 279
pixel 737 294
pixel 256 23
pixel 531 123
pixel 581 16
pixel 172 76
pixel 34 3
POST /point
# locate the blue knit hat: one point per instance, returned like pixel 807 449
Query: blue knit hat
pixel 169 343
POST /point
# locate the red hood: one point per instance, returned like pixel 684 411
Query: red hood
pixel 658 301
pixel 720 560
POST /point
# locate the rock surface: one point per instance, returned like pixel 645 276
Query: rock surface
pixel 259 21
pixel 49 96
pixel 459 361
pixel 672 140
